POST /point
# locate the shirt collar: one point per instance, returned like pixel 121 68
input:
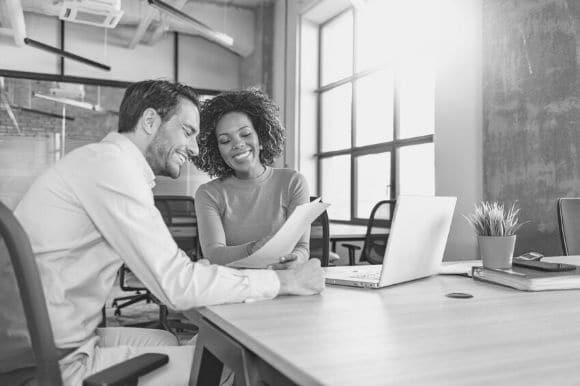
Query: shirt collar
pixel 133 151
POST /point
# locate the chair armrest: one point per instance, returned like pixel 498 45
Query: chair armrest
pixel 349 246
pixel 127 372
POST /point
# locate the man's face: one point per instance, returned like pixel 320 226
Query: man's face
pixel 174 142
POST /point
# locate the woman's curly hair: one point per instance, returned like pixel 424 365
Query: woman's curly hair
pixel 262 112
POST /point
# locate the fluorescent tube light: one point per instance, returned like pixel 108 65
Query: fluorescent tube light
pixel 71 102
pixel 206 30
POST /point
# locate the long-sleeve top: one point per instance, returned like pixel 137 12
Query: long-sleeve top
pixel 94 210
pixel 232 212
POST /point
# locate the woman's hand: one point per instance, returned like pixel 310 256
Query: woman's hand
pixel 254 246
pixel 287 261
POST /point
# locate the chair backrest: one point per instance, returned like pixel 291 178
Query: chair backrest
pixel 376 236
pixel 320 238
pixel 27 350
pixel 176 210
pixel 569 224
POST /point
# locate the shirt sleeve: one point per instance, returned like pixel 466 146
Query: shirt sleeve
pixel 120 203
pixel 212 236
pixel 299 195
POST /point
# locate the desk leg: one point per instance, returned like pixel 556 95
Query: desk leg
pixel 333 246
pixel 214 349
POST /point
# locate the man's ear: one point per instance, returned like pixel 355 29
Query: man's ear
pixel 150 121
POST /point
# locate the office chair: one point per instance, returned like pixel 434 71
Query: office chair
pixel 178 213
pixel 28 354
pixel 569 225
pixel 374 246
pixel 320 240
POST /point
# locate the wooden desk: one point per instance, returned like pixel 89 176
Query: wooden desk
pixel 406 334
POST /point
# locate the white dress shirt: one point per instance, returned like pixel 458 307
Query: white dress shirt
pixel 94 210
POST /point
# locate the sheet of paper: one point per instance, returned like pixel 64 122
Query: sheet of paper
pixel 284 241
pixel 460 267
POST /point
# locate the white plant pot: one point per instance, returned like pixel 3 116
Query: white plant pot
pixel 496 251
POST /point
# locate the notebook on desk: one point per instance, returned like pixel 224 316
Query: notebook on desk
pixel 526 279
pixel 415 247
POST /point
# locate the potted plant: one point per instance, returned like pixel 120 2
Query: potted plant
pixel 496 233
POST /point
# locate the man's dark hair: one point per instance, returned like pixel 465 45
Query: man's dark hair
pixel 160 95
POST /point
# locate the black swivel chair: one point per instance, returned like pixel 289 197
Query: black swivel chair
pixel 178 213
pixel 28 354
pixel 569 224
pixel 375 242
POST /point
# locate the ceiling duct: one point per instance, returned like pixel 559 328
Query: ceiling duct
pixel 100 13
pixel 138 13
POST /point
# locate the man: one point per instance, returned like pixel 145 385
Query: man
pixel 94 210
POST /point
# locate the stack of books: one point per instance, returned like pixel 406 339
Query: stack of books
pixel 527 279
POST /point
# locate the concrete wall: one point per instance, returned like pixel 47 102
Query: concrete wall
pixel 532 112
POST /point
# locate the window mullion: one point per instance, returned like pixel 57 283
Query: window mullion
pixel 353 171
pixel 396 132
pixel 319 118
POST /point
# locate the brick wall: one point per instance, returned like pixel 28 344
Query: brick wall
pixel 24 157
pixel 87 125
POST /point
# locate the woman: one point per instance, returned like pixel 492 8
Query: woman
pixel 237 213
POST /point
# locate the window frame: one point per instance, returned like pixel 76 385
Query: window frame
pixel 356 151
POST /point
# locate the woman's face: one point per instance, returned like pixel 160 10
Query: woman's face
pixel 239 145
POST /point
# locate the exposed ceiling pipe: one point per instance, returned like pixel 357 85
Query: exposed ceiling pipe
pixel 12 9
pixel 163 25
pixel 142 27
pixel 203 29
pixel 137 10
pixel 160 30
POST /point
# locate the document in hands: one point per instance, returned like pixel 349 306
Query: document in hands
pixel 284 241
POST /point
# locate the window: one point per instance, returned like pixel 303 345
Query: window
pixel 375 108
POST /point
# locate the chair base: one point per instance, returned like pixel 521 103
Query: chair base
pixel 164 323
pixel 132 300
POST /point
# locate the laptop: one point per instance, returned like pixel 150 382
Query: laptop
pixel 415 246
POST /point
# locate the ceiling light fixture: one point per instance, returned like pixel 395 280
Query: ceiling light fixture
pixel 66 54
pixel 71 102
pixel 206 30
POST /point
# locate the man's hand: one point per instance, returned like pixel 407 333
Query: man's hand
pixel 304 279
